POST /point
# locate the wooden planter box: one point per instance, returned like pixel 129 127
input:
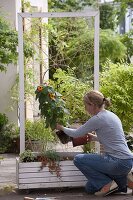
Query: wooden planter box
pixel 30 175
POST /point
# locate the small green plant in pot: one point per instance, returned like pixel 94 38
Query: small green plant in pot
pixel 38 137
pixel 27 156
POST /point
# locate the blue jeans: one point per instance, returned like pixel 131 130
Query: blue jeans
pixel 102 169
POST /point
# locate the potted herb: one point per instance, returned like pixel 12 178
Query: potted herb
pixel 38 137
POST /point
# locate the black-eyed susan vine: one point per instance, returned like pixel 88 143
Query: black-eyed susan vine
pixel 51 105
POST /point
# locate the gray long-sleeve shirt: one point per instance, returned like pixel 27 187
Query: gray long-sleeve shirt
pixel 110 134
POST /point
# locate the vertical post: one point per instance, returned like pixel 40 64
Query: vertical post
pixel 21 83
pixel 96 53
pixel 96 64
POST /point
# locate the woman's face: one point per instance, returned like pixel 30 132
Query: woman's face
pixel 90 108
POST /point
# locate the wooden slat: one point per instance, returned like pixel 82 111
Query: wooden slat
pixel 52 185
pixel 31 170
pixel 45 169
pixel 51 179
pixel 44 174
pixel 38 164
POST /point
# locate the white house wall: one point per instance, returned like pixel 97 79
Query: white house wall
pixel 10 8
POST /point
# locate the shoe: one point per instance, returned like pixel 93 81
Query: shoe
pixel 130 180
pixel 107 189
pixel 121 190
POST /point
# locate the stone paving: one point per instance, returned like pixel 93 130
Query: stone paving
pixel 8 170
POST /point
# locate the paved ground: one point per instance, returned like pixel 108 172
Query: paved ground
pixel 8 170
pixel 9 191
pixel 71 194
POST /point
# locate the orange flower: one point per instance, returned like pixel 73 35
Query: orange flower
pixel 52 96
pixel 39 88
pixel 63 98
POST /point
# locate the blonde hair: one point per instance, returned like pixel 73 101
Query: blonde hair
pixel 97 98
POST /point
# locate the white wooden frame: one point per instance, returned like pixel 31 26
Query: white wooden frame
pixel 94 14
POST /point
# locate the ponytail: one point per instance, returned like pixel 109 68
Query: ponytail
pixel 106 102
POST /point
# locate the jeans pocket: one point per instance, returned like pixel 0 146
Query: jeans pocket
pixel 125 165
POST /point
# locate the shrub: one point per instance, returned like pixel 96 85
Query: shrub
pixel 117 84
pixel 73 91
pixel 9 138
pixel 3 120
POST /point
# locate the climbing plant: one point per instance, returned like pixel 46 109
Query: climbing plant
pixel 9 43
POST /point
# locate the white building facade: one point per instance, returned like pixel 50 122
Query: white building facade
pixel 10 9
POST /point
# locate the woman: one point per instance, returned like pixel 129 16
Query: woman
pixel 108 172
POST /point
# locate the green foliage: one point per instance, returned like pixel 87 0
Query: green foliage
pixel 73 91
pixel 8 43
pixel 25 5
pixel 8 136
pixel 36 131
pixel 3 120
pixel 122 8
pixel 28 85
pixel 68 42
pixel 71 42
pixel 70 5
pixel 27 156
pixel 72 45
pixel 89 147
pixel 127 40
pixel 51 104
pixel 117 84
pixel 1 158
pixel 111 47
pixel 129 139
pixel 65 36
pixel 107 16
pixel 80 52
pixel 52 155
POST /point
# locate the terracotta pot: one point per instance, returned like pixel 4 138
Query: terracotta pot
pixel 81 140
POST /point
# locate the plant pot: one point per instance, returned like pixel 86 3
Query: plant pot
pixel 64 138
pixel 81 140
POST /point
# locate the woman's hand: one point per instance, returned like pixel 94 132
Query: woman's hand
pixel 59 127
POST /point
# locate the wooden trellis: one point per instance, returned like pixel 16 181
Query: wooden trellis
pixel 21 16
